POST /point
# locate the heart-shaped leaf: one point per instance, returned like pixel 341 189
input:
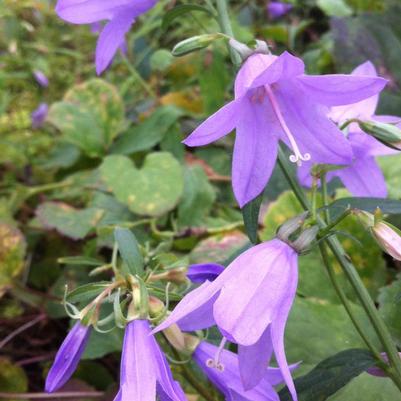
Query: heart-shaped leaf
pixel 150 191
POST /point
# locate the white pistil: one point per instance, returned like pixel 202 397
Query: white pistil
pixel 297 157
pixel 215 363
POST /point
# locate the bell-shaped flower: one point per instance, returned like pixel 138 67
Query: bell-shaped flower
pixel 121 14
pixel 250 302
pixel 275 100
pixel 67 357
pixel 41 78
pixel 39 115
pixel 202 272
pixel 277 9
pixel 145 372
pixel 363 176
pixel 224 374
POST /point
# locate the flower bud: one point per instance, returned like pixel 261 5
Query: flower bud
pixel 304 241
pixel 290 226
pixel 195 43
pixel 386 235
pixel 388 134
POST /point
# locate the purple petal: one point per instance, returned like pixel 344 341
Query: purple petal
pixel 278 9
pixel 255 150
pixel 364 178
pixel 285 66
pixel 338 89
pixel 278 328
pixel 41 78
pixel 262 288
pixel 193 312
pixel 313 131
pixel 200 273
pixel 112 37
pixel 254 359
pixel 38 116
pixel 67 357
pixel 138 373
pixel 216 126
pixel 364 109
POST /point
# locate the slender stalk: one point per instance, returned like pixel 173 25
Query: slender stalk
pixel 225 25
pixel 323 183
pixel 330 226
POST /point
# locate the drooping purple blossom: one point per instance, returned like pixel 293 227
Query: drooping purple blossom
pixel 145 372
pixel 275 100
pixel 39 115
pixel 363 176
pixel 121 14
pixel 67 357
pixel 277 9
pixel 250 302
pixel 225 375
pixel 41 78
pixel 199 273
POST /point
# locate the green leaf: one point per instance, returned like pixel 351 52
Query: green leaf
pixel 71 222
pixel 388 206
pixel 331 375
pixel 390 306
pixel 90 116
pixel 87 292
pixel 335 8
pixel 150 191
pixel 250 213
pixel 101 344
pixel 12 378
pixel 197 199
pixel 391 167
pixel 180 10
pixel 368 388
pixel 149 133
pixel 80 260
pixel 129 250
pixel 12 254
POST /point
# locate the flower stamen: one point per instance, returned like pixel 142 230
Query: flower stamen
pixel 297 157
pixel 215 362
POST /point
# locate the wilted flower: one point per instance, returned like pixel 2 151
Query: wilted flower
pixel 224 374
pixel 199 273
pixel 250 302
pixel 362 177
pixel 67 357
pixel 275 100
pixel 41 78
pixel 145 372
pixel 121 14
pixel 277 9
pixel 39 115
pixel 388 237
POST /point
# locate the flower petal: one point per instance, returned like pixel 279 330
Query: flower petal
pixel 364 178
pixel 112 37
pixel 193 312
pixel 199 273
pixel 245 318
pixel 339 89
pixel 313 131
pixel 138 368
pixel 278 328
pixel 255 150
pixel 67 357
pixel 254 359
pixel 216 126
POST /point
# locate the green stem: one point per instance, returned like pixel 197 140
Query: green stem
pixel 338 220
pixel 323 183
pixel 225 25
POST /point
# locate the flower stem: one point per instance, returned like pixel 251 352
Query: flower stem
pixel 323 183
pixel 225 25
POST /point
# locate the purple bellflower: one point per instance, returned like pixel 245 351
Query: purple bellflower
pixel 41 78
pixel 250 302
pixel 363 176
pixel 275 100
pixel 67 357
pixel 39 115
pixel 121 14
pixel 199 273
pixel 277 9
pixel 145 372
pixel 224 374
